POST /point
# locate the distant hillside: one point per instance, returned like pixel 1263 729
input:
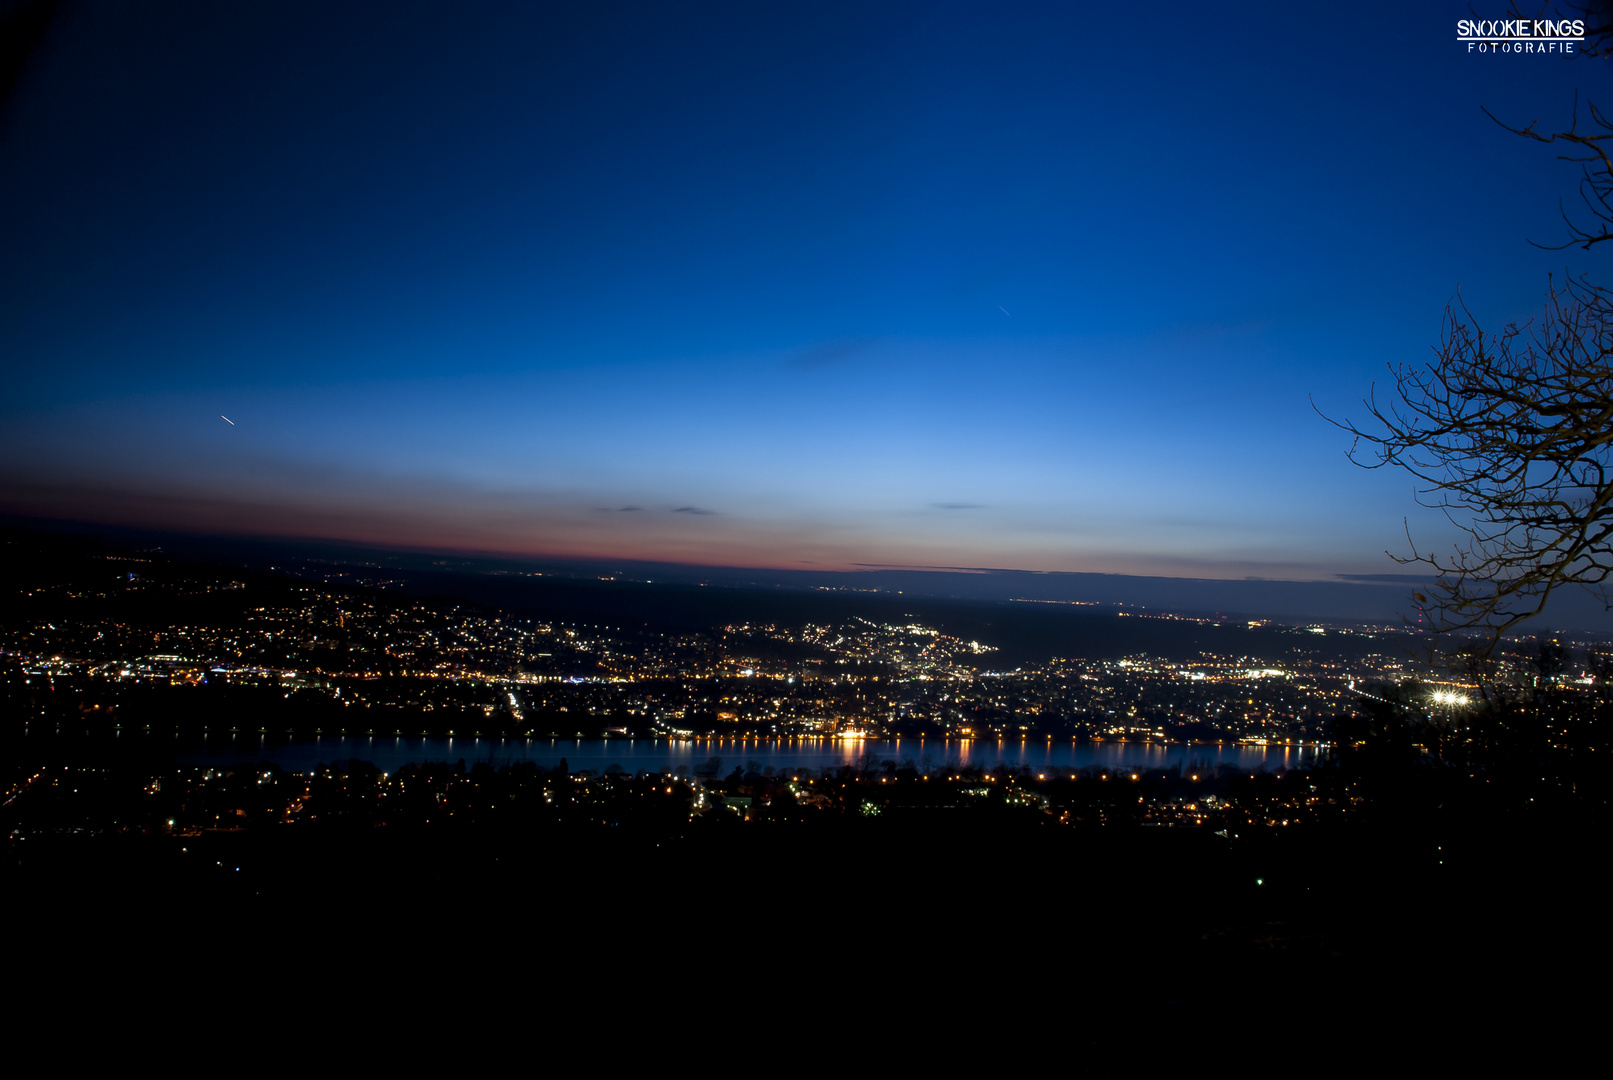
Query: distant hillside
pixel 1383 599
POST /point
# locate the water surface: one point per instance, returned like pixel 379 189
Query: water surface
pixel 655 755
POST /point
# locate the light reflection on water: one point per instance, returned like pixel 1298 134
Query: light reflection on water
pixel 634 755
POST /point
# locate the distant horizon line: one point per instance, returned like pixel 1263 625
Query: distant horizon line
pixel 80 526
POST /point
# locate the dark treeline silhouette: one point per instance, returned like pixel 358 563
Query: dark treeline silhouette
pixel 1200 886
pixel 1522 734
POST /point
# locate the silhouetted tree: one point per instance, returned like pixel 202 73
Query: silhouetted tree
pixel 1510 434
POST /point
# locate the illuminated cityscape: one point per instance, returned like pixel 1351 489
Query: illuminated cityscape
pixel 128 645
pixel 346 660
pixel 235 732
pixel 828 512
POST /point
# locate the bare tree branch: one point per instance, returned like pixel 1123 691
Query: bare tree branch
pixel 1510 434
pixel 1596 173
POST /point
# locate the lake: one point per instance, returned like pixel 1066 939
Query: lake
pixel 655 755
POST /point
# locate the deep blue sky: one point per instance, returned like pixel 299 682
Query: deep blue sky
pixel 1030 286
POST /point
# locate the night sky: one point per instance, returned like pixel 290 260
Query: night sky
pixel 1041 287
